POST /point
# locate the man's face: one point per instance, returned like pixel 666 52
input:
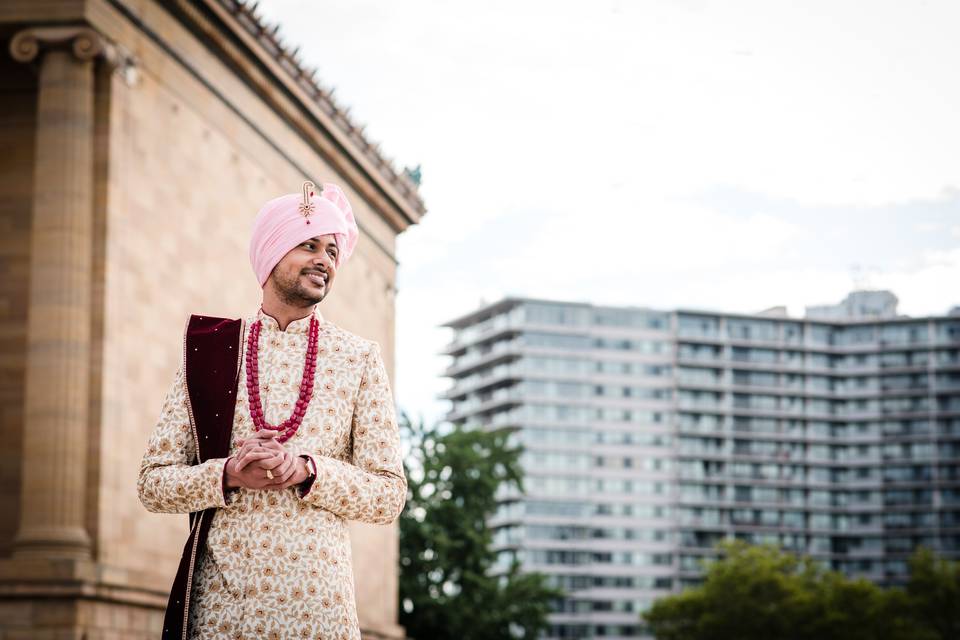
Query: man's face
pixel 304 276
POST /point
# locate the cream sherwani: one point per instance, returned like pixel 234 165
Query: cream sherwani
pixel 278 563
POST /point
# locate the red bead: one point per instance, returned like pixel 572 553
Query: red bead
pixel 289 426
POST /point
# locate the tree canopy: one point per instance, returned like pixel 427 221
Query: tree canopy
pixel 448 588
pixel 762 593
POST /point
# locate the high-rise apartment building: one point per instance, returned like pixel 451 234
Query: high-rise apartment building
pixel 651 435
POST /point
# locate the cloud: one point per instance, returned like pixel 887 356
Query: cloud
pixel 930 286
pixel 731 251
pixel 624 155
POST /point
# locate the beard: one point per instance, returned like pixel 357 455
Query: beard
pixel 292 292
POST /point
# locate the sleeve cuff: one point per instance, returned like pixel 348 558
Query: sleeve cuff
pixel 307 484
pixel 225 493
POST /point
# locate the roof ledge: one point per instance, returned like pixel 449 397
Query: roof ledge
pixel 374 176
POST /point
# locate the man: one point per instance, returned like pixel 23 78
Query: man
pixel 276 431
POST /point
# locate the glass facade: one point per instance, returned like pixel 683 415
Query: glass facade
pixel 650 436
pixel 835 440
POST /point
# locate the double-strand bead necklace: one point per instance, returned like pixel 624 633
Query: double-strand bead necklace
pixel 289 426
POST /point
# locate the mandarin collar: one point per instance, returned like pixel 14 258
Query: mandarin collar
pixel 270 324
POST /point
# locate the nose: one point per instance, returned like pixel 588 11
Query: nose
pixel 323 258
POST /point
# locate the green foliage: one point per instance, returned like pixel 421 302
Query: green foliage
pixel 934 593
pixel 761 593
pixel 446 586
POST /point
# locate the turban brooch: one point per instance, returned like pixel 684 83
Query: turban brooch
pixel 287 221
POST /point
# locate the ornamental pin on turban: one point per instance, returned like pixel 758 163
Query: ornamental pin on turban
pixel 286 221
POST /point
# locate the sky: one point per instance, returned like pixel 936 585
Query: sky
pixel 730 155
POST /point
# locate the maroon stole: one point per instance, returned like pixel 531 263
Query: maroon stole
pixel 212 353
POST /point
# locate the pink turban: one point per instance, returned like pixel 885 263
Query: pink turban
pixel 281 225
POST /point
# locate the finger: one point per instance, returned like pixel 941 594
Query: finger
pixel 249 445
pixel 272 445
pixel 263 434
pixel 276 457
pixel 276 483
pixel 257 454
pixel 250 457
pixel 245 451
pixel 290 469
pixel 285 477
pixel 257 448
pixel 266 444
pixel 284 470
pixel 241 462
pixel 272 462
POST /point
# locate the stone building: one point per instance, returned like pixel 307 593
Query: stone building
pixel 138 139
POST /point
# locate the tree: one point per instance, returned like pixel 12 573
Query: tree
pixel 762 593
pixel 447 586
pixel 934 593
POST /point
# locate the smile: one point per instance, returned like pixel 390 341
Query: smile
pixel 317 279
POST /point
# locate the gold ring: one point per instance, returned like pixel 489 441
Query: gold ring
pixel 269 474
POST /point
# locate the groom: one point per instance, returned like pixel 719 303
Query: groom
pixel 277 429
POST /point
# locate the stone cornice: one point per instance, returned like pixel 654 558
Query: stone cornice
pixel 233 32
pixel 85 42
pixel 393 193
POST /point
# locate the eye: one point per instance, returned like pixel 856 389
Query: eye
pixel 309 245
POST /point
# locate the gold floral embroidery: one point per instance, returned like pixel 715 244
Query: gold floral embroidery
pixel 285 548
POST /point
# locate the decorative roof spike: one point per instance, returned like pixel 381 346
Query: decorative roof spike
pixel 271 39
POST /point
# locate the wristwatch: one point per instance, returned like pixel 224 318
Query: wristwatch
pixel 311 470
pixel 307 484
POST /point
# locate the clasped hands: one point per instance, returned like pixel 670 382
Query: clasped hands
pixel 264 463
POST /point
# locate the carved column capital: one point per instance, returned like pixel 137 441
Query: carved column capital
pixel 86 43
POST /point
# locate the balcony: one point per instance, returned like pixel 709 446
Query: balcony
pixel 491 355
pixel 499 399
pixel 481 380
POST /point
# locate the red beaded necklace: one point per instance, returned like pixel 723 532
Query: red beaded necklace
pixel 289 426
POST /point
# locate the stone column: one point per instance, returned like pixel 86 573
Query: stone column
pixel 53 490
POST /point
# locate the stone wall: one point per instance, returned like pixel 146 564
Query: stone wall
pixel 186 150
